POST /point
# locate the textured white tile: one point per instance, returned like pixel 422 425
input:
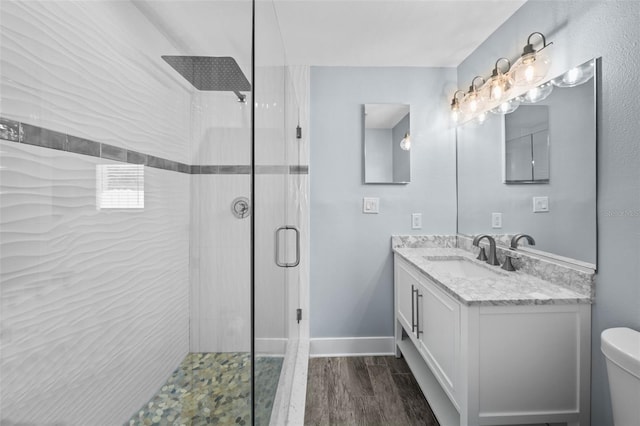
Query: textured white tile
pixel 270 283
pixel 270 116
pixel 221 129
pixel 94 303
pixel 93 70
pixel 220 245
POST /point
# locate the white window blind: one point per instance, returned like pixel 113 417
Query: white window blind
pixel 119 186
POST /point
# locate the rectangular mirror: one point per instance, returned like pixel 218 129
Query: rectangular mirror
pixel 387 143
pixel 566 178
pixel 526 145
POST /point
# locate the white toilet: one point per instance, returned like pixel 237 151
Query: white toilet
pixel 621 347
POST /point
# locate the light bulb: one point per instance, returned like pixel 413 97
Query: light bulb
pixel 405 143
pixel 576 76
pixel 537 94
pixel 473 103
pixel 529 73
pixel 496 92
pixel 573 75
pixel 506 107
pixel 455 106
pixel 481 118
pixel 472 100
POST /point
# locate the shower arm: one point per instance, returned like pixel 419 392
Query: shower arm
pixel 241 97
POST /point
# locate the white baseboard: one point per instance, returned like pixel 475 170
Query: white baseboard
pixel 351 346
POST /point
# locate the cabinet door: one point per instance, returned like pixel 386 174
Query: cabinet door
pixel 405 283
pixel 439 322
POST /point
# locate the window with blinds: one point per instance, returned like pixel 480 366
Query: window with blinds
pixel 119 186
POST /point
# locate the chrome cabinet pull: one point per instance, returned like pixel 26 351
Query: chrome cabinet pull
pixel 418 332
pixel 297 261
pixel 413 323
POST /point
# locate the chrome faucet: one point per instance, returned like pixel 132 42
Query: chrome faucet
pixel 492 259
pixel 518 237
pixel 507 265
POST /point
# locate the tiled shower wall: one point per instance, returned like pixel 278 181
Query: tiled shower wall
pixel 220 242
pixel 94 303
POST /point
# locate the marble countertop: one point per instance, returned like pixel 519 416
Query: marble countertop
pixel 510 288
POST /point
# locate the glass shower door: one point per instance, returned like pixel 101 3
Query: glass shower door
pixel 276 234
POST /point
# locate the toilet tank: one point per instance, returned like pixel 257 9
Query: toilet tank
pixel 621 347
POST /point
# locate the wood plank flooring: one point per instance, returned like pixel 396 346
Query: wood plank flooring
pixel 367 391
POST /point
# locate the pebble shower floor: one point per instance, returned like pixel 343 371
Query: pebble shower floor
pixel 213 389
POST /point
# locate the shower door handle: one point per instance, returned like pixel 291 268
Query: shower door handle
pixel 297 261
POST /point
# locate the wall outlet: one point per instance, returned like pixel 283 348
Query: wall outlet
pixel 370 205
pixel 496 220
pixel 540 204
pixel 416 221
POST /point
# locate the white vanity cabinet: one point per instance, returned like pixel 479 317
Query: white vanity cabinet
pixel 493 364
pixel 432 320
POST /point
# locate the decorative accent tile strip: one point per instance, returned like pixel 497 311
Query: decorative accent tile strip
pixel 15 131
pixel 271 170
pixel 298 170
pixel 9 130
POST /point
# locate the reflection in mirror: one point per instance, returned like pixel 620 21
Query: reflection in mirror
pixel 526 142
pixel 387 143
pixel 568 228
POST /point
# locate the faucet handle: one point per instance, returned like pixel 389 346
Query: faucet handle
pixel 507 265
pixel 482 255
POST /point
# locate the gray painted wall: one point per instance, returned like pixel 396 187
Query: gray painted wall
pixel 581 30
pixel 351 263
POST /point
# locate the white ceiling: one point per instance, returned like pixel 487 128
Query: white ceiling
pixel 332 32
pixel 388 33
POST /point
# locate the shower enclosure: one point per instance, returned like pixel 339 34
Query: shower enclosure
pixel 153 213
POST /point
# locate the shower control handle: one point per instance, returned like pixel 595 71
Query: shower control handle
pixel 297 261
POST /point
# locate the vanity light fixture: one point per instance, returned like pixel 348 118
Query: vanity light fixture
pixel 509 86
pixel 405 143
pixel 455 106
pixel 533 65
pixel 500 82
pixel 575 76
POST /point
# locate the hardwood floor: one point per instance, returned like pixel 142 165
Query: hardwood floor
pixel 368 391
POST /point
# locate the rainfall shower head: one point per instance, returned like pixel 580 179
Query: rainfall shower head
pixel 211 73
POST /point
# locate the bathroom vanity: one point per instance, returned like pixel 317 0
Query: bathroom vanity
pixel 491 347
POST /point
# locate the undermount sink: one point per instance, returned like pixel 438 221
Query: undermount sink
pixel 460 267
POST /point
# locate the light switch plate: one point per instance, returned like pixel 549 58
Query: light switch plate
pixel 370 205
pixel 540 204
pixel 416 221
pixel 496 220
